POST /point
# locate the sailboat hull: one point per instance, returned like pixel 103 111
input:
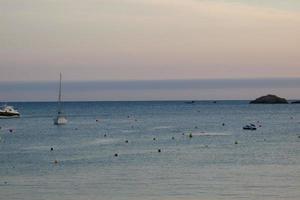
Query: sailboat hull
pixel 60 120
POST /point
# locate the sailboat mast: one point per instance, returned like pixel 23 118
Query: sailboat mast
pixel 59 95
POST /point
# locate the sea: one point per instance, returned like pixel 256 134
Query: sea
pixel 151 150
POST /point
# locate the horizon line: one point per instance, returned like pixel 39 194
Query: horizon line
pixel 154 100
pixel 145 80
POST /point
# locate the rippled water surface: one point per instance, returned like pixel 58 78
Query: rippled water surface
pixel 217 162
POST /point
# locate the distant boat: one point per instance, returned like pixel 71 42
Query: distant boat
pixel 250 127
pixel 9 111
pixel 60 119
pixel 189 102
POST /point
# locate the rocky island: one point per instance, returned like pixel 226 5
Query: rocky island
pixel 269 99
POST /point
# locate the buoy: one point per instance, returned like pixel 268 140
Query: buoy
pixel 96 120
pixel 116 155
pixel 190 135
pixel 223 124
pixel 236 142
pixel 55 162
pixel 173 138
pixel 51 149
pixel 104 135
pixel 126 141
pixel 10 130
pixel 154 138
pixel 158 150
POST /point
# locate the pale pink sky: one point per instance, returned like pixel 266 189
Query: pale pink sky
pixel 148 39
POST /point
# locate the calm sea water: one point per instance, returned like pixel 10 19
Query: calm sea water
pixel 264 164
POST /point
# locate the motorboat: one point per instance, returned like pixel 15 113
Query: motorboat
pixel 250 127
pixel 9 111
pixel 60 119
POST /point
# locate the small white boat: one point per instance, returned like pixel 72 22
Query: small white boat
pixel 60 119
pixel 9 111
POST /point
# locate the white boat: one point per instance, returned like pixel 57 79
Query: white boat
pixel 9 111
pixel 60 119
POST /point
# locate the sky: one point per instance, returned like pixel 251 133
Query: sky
pixel 213 89
pixel 128 40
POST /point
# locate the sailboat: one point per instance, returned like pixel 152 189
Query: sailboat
pixel 60 119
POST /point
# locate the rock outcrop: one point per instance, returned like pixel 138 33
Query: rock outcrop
pixel 296 102
pixel 269 99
